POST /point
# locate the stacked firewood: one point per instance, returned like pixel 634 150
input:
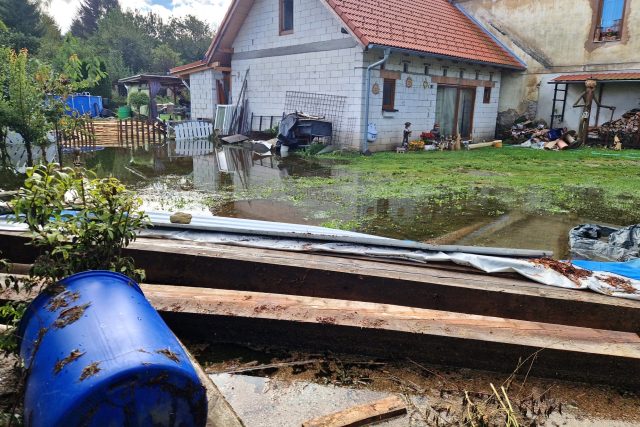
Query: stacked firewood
pixel 626 128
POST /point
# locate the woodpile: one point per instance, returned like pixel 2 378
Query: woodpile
pixel 626 128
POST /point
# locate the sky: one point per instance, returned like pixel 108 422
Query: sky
pixel 211 11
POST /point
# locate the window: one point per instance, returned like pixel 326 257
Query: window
pixel 462 73
pixel 286 17
pixel 426 69
pixel 405 67
pixel 609 27
pixel 490 77
pixel 477 75
pixel 445 71
pixel 389 95
pixel 487 95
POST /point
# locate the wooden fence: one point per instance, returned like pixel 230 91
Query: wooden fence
pixel 140 134
pixel 81 137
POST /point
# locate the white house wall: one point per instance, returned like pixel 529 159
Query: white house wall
pixel 316 58
pixel 319 58
pixel 418 103
pixel 203 94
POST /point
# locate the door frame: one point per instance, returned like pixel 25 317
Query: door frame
pixel 474 89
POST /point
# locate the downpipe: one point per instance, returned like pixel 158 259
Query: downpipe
pixel 367 100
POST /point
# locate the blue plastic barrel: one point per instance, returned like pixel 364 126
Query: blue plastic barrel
pixel 98 354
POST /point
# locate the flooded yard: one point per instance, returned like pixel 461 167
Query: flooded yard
pixel 452 201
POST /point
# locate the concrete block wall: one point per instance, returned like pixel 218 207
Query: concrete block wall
pixel 418 103
pixel 485 115
pixel 312 22
pixel 331 72
pixel 203 94
pixel 337 72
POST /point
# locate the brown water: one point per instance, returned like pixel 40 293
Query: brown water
pixel 236 182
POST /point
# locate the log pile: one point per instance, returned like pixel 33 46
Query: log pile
pixel 626 128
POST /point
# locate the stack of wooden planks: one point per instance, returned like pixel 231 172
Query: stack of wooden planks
pixel 106 133
pixel 439 314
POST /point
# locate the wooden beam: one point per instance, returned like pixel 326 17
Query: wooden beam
pixel 388 331
pixel 380 330
pixel 376 281
pixel 361 415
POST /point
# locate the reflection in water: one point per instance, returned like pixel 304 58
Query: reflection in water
pixel 234 166
pixel 236 182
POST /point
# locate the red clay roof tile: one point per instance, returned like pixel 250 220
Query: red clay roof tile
pixel 430 26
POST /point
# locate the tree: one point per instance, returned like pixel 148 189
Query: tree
pixel 22 16
pixel 188 36
pixel 89 14
pixel 118 35
pixel 163 58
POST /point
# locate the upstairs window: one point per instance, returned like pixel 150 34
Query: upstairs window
pixel 286 17
pixel 609 26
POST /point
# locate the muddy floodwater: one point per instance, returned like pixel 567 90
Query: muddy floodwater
pixel 235 181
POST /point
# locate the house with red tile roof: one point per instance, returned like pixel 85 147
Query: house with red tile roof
pixel 564 43
pixel 366 64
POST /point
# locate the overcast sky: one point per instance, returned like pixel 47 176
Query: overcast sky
pixel 211 11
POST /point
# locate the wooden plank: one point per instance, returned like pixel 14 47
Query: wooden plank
pixel 387 331
pixel 304 274
pixel 453 339
pixel 219 411
pixel 361 415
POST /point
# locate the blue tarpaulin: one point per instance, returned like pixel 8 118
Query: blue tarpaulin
pixel 630 269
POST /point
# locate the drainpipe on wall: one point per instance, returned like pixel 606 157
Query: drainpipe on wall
pixel 365 145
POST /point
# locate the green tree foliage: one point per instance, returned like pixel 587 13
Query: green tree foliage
pixel 138 99
pixel 32 95
pixel 189 36
pixel 21 100
pixel 22 16
pixel 107 218
pixel 164 58
pixel 90 12
pixel 119 35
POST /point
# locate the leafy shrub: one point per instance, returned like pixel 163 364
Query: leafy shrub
pixel 105 220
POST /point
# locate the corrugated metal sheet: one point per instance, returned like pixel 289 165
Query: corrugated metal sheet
pixel 613 76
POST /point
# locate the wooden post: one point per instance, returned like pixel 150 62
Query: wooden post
pixel 144 125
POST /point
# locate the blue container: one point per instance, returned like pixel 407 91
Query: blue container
pixel 84 104
pixel 100 355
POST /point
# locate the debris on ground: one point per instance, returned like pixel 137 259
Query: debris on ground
pixel 575 274
pixel 626 128
pixel 529 134
pixel 434 395
pixel 379 410
pixel 591 241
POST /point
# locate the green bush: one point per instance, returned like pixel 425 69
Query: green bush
pixel 138 99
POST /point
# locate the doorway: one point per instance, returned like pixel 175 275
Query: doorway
pixel 454 110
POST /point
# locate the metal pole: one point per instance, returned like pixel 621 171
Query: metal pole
pixel 365 140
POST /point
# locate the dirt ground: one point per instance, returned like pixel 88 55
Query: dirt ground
pixel 439 395
pixel 10 399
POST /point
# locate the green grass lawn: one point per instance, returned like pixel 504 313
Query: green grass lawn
pixel 596 184
pixel 513 168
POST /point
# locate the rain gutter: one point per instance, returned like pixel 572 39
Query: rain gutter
pixel 367 101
